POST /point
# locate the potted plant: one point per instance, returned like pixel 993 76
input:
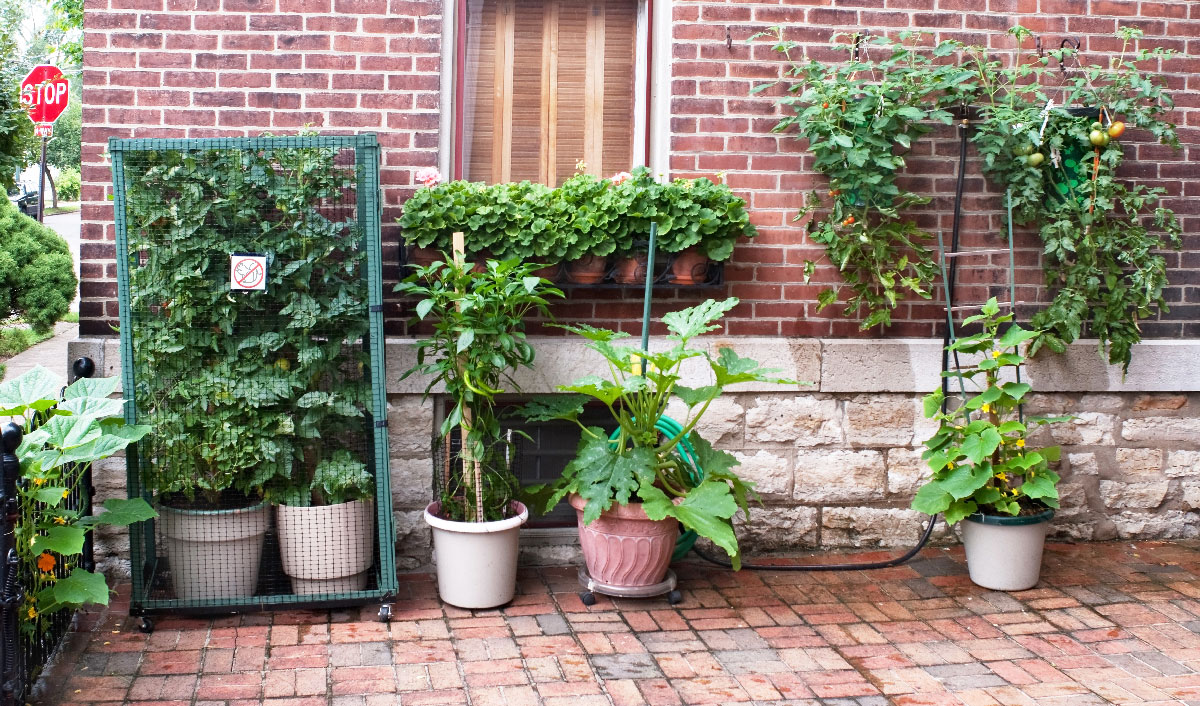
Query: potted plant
pixel 632 487
pixel 699 221
pixel 983 472
pixel 477 341
pixel 57 433
pixel 327 527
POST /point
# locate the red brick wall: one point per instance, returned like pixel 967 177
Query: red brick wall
pixel 196 68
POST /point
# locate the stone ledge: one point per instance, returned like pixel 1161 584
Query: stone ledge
pixel 838 365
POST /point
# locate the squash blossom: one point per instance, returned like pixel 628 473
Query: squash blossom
pixel 995 354
pixel 1020 443
pixel 46 562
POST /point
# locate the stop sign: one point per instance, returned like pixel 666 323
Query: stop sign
pixel 44 93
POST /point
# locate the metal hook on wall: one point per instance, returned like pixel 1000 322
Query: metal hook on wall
pixel 858 40
pixel 1072 42
pixel 728 39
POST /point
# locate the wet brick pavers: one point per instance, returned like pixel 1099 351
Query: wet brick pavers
pixel 1110 623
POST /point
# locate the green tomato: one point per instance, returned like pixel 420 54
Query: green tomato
pixel 1023 150
pixel 1097 125
pixel 1036 158
pixel 1098 138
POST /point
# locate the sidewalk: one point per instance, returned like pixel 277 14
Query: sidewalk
pixel 50 354
pixel 1110 623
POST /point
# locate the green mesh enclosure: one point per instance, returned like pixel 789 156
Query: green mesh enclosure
pixel 252 342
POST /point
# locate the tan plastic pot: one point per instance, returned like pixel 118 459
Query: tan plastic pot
pixel 214 553
pixel 1005 553
pixel 625 548
pixel 327 549
pixel 476 561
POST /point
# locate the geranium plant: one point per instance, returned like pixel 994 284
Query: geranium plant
pixel 1103 233
pixel 64 433
pixel 675 474
pixel 860 119
pixel 587 215
pixel 978 456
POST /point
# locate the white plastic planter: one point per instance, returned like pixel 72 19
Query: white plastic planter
pixel 328 548
pixel 476 561
pixel 214 554
pixel 1005 553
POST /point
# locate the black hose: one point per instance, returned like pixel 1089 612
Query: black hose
pixel 861 566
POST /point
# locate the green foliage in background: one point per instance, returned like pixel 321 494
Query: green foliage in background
pixel 68 184
pixel 37 278
pixel 259 391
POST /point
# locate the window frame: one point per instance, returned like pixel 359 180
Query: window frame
pixel 651 87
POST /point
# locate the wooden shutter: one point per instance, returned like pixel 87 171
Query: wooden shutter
pixel 548 83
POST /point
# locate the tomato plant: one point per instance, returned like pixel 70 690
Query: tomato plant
pixel 1102 234
pixel 887 103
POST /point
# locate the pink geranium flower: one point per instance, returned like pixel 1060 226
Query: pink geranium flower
pixel 620 177
pixel 428 177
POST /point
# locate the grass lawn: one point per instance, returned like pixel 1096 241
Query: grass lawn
pixel 16 337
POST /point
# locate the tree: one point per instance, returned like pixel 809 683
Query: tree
pixel 16 132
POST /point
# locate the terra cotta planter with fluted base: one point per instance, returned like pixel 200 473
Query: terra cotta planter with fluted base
pixel 624 547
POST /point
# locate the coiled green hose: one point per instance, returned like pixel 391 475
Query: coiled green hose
pixel 671 428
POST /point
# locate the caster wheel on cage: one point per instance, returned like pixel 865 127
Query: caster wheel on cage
pixel 385 613
pixel 674 597
pixel 588 598
pixel 146 626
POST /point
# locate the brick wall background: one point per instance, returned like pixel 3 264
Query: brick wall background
pixel 198 68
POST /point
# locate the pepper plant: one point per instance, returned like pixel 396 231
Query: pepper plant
pixel 638 463
pixel 249 392
pixel 978 455
pixel 860 119
pixel 1103 233
pixel 66 430
pixel 477 341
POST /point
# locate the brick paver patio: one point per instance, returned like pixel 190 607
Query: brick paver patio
pixel 1110 623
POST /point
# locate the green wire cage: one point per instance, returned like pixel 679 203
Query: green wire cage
pixel 251 332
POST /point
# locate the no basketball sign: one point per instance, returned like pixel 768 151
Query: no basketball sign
pixel 247 273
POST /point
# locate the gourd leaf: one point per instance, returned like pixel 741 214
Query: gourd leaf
pixel 121 512
pixel 699 395
pixel 65 540
pixel 91 387
pixel 931 499
pixel 594 386
pixel 94 407
pixel 548 407
pixel 963 481
pixel 68 432
pixel 1016 390
pixel 689 323
pixel 81 587
pixel 36 389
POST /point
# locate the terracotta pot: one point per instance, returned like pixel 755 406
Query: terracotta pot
pixel 630 269
pixel 549 272
pixel 588 269
pixel 689 267
pixel 624 547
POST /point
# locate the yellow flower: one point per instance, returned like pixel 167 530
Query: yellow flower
pixel 950 465
pixel 66 494
pixel 39 482
pixel 32 613
pixel 60 520
pixel 985 408
pixel 1002 477
pixel 1020 443
pixel 995 354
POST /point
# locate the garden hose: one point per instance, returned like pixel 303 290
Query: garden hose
pixel 672 428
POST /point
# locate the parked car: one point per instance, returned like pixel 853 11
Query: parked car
pixel 25 199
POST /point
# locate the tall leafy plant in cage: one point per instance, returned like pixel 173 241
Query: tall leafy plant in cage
pixel 1059 149
pixel 860 119
pixel 477 340
pixel 253 394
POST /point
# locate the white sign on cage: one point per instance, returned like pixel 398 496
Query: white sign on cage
pixel 247 272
